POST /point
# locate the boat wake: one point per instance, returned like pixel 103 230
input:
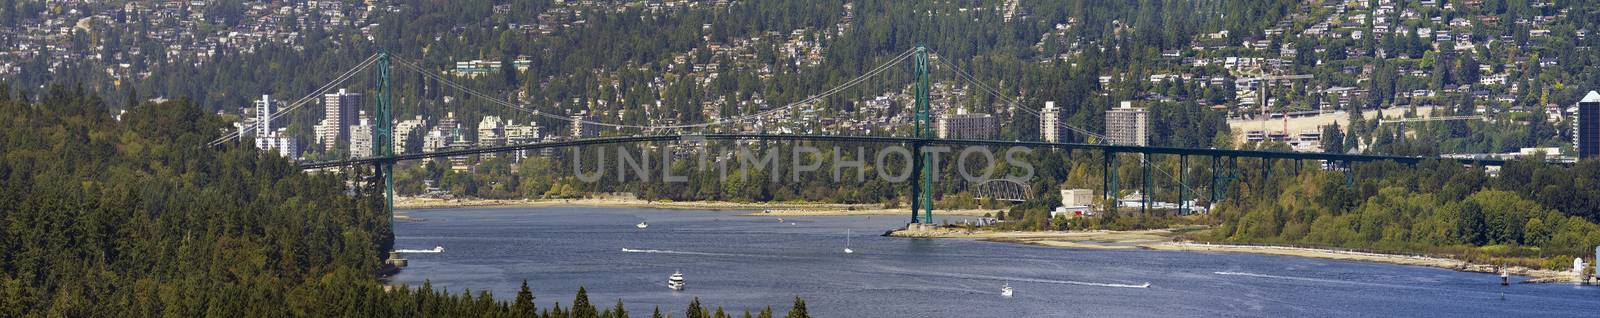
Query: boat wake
pixel 1306 279
pixel 435 250
pixel 629 250
pixel 1079 283
pixel 1069 282
pixel 1318 280
pixel 1025 279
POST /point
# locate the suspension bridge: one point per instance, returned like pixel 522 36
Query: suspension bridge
pixel 1224 163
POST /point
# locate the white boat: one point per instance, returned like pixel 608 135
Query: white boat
pixel 1005 290
pixel 1505 277
pixel 438 249
pixel 847 249
pixel 641 225
pixel 675 282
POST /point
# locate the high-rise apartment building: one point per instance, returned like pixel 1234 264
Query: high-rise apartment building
pixel 1127 125
pixel 1586 127
pixel 582 129
pixel 963 125
pixel 405 130
pixel 1050 128
pixel 361 134
pixel 269 139
pixel 263 116
pixel 338 115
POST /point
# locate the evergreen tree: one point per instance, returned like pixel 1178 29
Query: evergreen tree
pixel 523 306
pixel 133 98
pixel 581 308
pixel 1332 139
pixel 799 310
pixel 619 312
pixel 508 70
pixel 695 310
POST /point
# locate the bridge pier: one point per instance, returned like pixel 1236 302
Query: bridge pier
pixel 1109 161
pixel 916 180
pixel 1215 169
pixel 1349 174
pixel 1183 206
pixel 1149 189
pixel 1266 171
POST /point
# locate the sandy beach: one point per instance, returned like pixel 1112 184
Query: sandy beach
pixel 1165 240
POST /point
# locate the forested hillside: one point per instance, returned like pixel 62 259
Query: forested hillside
pixel 1530 213
pixel 101 217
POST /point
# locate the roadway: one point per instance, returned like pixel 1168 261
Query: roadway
pixel 1205 152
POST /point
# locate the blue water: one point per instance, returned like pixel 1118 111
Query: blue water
pixel 747 263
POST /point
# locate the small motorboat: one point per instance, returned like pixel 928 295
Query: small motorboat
pixel 641 225
pixel 675 282
pixel 438 248
pixel 1005 290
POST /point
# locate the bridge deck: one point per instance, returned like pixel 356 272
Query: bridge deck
pixel 1207 152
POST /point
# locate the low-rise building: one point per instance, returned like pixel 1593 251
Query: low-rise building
pixel 1075 203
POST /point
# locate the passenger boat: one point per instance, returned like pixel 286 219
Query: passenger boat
pixel 675 282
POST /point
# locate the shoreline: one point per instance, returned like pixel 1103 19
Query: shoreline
pixel 1164 240
pixel 1160 239
pixel 778 209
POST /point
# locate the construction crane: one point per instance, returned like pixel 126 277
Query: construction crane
pixel 1264 88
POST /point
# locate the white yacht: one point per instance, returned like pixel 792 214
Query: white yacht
pixel 675 282
pixel 1005 290
pixel 641 225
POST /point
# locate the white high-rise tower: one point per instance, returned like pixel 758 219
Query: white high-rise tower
pixel 1050 122
pixel 263 116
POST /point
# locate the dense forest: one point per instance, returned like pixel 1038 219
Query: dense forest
pixel 1526 213
pixel 1530 213
pixel 101 216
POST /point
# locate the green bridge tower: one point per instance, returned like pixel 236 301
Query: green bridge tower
pixel 382 139
pixel 922 183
